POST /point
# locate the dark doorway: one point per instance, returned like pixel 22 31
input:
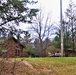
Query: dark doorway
pixel 17 52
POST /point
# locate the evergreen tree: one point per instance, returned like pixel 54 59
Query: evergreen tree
pixel 12 12
pixel 70 26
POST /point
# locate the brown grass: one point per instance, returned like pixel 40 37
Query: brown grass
pixel 39 66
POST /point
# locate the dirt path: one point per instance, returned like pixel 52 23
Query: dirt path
pixel 24 68
pixel 36 70
pixel 28 64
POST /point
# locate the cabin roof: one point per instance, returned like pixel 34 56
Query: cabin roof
pixel 17 41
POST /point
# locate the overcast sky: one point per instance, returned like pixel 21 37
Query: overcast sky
pixel 52 7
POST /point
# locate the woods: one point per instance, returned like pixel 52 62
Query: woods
pixel 38 35
pixel 70 27
pixel 24 51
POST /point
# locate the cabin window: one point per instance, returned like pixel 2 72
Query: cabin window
pixel 17 52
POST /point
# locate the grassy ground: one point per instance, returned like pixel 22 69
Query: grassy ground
pixel 51 66
pixel 46 66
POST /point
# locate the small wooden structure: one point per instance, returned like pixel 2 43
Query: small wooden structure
pixel 13 46
pixel 70 53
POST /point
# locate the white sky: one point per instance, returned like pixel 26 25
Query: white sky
pixel 52 7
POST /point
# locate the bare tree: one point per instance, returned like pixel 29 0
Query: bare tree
pixel 41 29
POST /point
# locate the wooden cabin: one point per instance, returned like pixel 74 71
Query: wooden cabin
pixel 15 48
pixel 70 53
pixel 12 47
